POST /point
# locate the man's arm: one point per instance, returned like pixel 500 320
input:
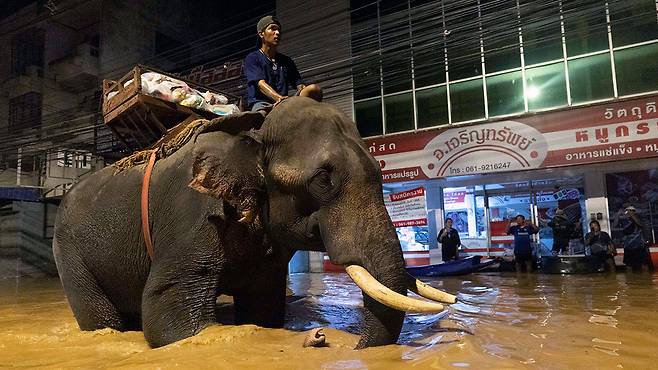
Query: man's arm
pixel 534 228
pixel 266 89
pixel 636 219
pixel 441 235
pixel 507 228
pixel 255 75
pixel 589 237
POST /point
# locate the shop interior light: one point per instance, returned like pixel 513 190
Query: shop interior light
pixel 532 92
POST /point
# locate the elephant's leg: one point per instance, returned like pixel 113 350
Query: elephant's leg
pixel 90 305
pixel 177 303
pixel 263 303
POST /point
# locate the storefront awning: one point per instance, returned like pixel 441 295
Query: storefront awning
pixel 27 194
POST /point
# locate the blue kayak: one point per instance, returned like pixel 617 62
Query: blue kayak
pixel 459 267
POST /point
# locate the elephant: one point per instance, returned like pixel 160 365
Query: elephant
pixel 227 210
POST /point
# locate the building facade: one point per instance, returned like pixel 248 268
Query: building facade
pixel 53 57
pixel 476 110
pixel 482 110
pixel 499 108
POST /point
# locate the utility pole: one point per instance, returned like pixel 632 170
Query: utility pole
pixel 18 166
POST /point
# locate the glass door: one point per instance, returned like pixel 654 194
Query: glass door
pixel 466 207
pixel 572 202
pixel 503 208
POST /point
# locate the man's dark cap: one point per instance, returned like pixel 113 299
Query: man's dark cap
pixel 266 21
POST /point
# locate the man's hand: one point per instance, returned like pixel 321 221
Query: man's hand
pixel 270 92
pixel 279 100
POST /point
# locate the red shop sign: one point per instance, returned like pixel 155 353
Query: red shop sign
pixel 593 134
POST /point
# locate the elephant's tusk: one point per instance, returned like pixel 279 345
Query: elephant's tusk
pixel 427 291
pixel 386 296
pixel 247 217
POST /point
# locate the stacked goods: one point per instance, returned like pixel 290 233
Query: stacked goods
pixel 145 105
pixel 177 91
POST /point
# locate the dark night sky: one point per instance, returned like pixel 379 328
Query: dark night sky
pixel 221 10
pixel 8 7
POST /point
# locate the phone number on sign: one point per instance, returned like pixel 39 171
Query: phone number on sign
pixel 484 167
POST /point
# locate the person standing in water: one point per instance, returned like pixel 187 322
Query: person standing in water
pixel 636 252
pixel 600 244
pixel 562 230
pixel 449 239
pixel 522 231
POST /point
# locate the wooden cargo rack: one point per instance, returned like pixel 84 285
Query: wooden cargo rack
pixel 138 119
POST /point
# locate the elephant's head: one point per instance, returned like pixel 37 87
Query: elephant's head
pixel 324 193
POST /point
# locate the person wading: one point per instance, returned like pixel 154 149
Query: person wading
pixel 522 230
pixel 562 230
pixel 636 252
pixel 449 239
pixel 601 246
pixel 269 73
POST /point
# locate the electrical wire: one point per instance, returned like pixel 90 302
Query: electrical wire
pixel 392 45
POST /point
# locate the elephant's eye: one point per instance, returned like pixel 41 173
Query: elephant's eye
pixel 322 187
pixel 322 181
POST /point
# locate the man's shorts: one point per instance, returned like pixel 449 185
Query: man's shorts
pixel 261 105
pixel 522 257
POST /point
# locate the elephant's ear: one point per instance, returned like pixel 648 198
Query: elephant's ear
pixel 229 167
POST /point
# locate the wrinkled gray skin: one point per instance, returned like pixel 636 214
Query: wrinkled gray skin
pixel 313 185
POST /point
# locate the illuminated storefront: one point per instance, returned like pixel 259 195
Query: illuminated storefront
pixel 590 161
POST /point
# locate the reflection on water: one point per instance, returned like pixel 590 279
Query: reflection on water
pixel 501 321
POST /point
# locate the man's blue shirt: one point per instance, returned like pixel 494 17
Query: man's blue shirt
pixel 521 238
pixel 257 66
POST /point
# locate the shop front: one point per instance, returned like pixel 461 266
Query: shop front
pixel 592 162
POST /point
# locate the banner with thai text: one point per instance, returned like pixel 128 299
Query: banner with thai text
pixel 599 133
pixel 407 208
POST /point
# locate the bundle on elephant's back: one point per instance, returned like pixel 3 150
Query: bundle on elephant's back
pixel 166 147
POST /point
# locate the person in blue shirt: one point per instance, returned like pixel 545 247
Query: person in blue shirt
pixel 522 231
pixel 269 73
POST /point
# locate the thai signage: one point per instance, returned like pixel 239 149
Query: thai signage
pixel 608 132
pixel 212 75
pixel 407 208
pixel 454 197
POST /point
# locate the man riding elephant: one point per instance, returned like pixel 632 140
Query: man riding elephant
pixel 226 210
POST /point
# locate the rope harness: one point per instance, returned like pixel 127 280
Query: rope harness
pixel 146 229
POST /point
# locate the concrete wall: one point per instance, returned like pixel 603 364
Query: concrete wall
pixel 128 32
pixel 25 244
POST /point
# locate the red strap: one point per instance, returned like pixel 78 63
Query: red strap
pixel 146 229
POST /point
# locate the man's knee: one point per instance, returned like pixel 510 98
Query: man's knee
pixel 313 91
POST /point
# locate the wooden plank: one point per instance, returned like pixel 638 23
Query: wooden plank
pixel 127 135
pixel 108 117
pixel 138 145
pixel 149 113
pixel 147 123
pixel 120 136
pixel 137 126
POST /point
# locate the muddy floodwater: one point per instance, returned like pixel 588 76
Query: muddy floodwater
pixel 502 321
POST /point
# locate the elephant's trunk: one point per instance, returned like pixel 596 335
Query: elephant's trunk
pixel 383 323
pixel 358 233
pixel 369 248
